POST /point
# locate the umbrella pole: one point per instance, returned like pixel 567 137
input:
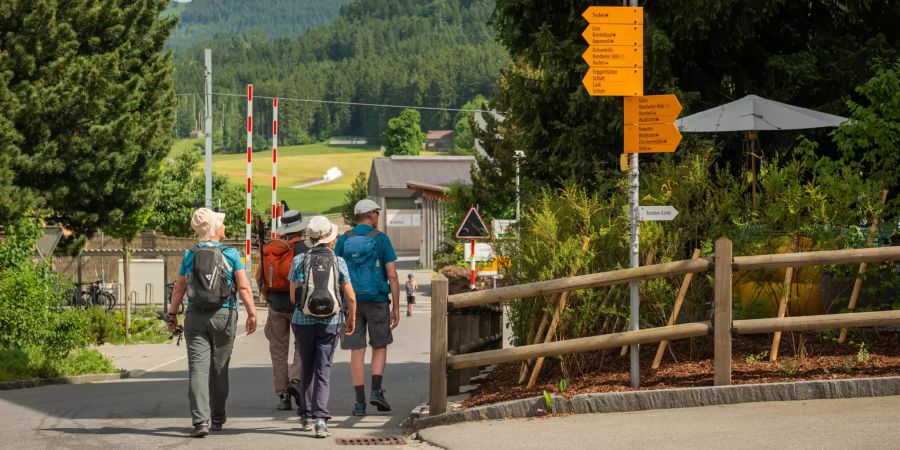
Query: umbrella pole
pixel 752 137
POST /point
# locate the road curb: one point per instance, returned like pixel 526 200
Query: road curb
pixel 76 379
pixel 670 398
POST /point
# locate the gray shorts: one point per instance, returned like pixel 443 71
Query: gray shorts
pixel 374 317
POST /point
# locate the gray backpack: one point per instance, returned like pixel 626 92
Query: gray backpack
pixel 321 294
pixel 208 286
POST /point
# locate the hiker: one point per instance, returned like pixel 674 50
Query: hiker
pixel 370 257
pixel 318 280
pixel 278 255
pixel 411 287
pixel 213 277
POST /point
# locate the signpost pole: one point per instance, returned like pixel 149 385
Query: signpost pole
pixel 635 300
pixel 207 126
pixel 473 274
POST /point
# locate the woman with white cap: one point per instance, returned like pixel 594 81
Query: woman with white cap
pixel 317 334
pixel 213 276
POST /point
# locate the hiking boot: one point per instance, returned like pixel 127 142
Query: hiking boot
pixel 321 429
pixel 306 424
pixel 379 401
pixel 216 426
pixel 359 409
pixel 200 430
pixel 284 402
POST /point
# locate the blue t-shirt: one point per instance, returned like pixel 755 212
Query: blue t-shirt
pixel 385 250
pixel 232 256
pixel 296 276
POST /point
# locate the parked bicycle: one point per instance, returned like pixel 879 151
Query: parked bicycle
pixel 91 294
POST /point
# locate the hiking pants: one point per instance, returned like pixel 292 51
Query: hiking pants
pixel 210 339
pixel 317 344
pixel 278 332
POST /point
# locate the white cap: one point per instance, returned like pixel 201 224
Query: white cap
pixel 206 223
pixel 321 231
pixel 365 206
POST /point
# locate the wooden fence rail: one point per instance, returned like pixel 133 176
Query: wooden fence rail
pixel 723 327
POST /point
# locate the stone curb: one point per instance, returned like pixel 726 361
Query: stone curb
pixel 670 398
pixel 77 379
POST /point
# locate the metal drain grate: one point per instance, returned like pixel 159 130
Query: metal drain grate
pixel 385 440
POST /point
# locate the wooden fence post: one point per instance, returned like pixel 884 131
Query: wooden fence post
pixel 723 320
pixel 437 399
pixel 785 298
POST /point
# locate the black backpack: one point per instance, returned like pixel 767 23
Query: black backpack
pixel 321 292
pixel 208 286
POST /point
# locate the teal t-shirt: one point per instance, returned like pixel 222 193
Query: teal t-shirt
pixel 231 255
pixel 385 250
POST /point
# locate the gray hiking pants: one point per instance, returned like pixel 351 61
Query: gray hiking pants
pixel 210 339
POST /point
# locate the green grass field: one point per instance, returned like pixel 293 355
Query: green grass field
pixel 296 165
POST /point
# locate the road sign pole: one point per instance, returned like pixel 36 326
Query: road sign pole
pixel 635 300
pixel 473 274
pixel 207 126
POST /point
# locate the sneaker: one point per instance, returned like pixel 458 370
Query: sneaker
pixel 321 429
pixel 284 402
pixel 379 401
pixel 359 409
pixel 200 430
pixel 306 424
pixel 408 314
pixel 216 426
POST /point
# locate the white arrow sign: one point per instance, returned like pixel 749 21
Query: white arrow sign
pixel 656 213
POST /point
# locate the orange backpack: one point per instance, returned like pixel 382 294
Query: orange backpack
pixel 278 254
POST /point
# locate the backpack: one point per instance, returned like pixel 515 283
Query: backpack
pixel 208 286
pixel 321 292
pixel 278 254
pixel 366 271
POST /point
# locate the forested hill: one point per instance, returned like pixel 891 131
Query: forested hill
pixel 409 52
pixel 204 20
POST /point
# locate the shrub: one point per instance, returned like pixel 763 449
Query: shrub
pixel 30 362
pixel 102 326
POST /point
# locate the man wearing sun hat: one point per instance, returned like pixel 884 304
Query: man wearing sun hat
pixel 281 310
pixel 317 335
pixel 210 328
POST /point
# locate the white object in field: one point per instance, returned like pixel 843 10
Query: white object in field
pixel 483 252
pixel 332 174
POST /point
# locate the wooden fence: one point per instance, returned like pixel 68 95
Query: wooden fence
pixel 724 264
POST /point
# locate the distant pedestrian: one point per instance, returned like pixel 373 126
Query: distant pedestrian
pixel 371 260
pixel 213 276
pixel 319 279
pixel 277 257
pixel 411 287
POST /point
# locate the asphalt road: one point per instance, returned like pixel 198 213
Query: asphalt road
pixel 818 424
pixel 152 411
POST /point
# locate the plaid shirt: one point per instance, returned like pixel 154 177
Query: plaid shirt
pixel 296 276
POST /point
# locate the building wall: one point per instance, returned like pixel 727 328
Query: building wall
pixel 403 226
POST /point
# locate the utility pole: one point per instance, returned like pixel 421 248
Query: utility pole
pixel 635 300
pixel 519 155
pixel 207 129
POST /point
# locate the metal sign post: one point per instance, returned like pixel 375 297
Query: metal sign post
pixel 207 127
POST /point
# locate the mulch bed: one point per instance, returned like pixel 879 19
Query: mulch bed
pixel 802 356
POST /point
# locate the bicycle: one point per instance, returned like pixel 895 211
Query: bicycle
pixel 93 295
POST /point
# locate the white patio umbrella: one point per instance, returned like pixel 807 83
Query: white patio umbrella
pixel 753 113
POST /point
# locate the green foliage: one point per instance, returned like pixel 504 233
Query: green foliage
pixel 181 189
pixel 88 100
pixel 788 366
pixel 19 245
pixel 403 135
pixel 563 385
pixel 862 355
pixel 205 20
pixel 756 358
pixel 548 403
pixel 30 362
pixel 102 326
pixel 463 139
pixel 400 52
pixel 357 192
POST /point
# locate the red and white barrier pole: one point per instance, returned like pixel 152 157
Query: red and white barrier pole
pixel 249 175
pixel 474 270
pixel 274 165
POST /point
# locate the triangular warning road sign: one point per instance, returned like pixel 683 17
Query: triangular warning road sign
pixel 472 227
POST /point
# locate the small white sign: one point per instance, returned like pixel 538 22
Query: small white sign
pixel 656 213
pixel 483 252
pixel 502 228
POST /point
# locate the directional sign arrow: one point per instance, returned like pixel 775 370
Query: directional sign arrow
pixel 606 34
pixel 614 14
pixel 614 56
pixel 651 138
pixel 651 109
pixel 614 81
pixel 656 213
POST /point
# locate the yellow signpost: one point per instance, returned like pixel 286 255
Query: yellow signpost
pixel 614 34
pixel 614 81
pixel 651 109
pixel 615 56
pixel 651 138
pixel 614 14
pixel 616 51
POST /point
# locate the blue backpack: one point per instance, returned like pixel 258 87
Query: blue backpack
pixel 367 273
